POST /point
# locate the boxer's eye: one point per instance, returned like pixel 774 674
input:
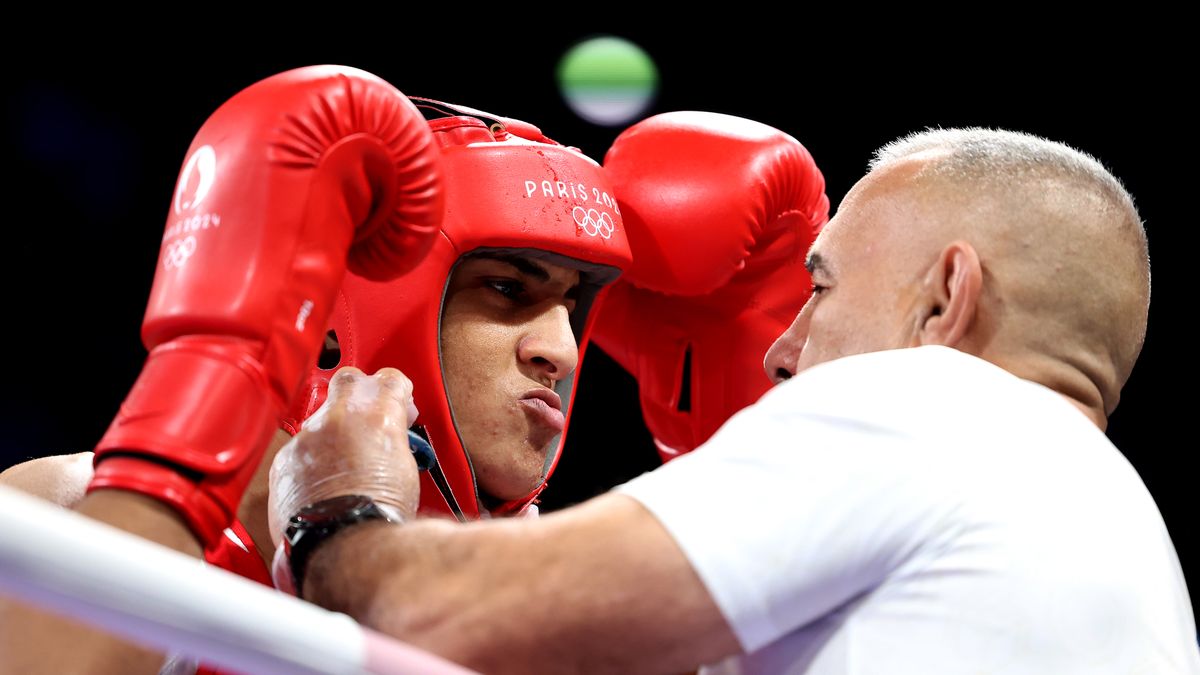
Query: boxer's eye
pixel 817 289
pixel 509 288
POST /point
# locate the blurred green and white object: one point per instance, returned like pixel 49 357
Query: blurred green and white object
pixel 608 80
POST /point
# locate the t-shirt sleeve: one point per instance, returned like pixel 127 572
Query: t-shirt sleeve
pixel 797 505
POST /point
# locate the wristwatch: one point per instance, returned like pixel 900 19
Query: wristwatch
pixel 318 522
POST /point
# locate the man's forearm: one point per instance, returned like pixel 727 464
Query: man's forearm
pixel 373 572
pixel 33 641
pixel 597 588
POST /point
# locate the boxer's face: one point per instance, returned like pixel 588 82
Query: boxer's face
pixel 506 340
pixel 866 276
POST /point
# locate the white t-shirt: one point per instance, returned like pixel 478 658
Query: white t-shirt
pixel 922 511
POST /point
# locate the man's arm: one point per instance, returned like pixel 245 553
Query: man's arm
pixel 599 587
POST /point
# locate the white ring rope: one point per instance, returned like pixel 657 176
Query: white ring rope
pixel 59 560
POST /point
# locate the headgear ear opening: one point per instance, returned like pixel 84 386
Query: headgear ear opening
pixel 331 352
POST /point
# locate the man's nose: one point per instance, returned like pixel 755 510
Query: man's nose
pixel 550 344
pixel 781 359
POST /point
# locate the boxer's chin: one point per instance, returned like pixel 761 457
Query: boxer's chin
pixel 507 471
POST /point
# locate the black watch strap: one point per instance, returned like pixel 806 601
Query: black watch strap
pixel 319 521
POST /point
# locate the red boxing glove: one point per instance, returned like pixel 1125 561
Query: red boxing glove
pixel 283 183
pixel 720 213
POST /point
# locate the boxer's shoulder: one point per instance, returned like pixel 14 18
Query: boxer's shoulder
pixel 61 479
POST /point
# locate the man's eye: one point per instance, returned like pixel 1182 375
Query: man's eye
pixel 509 288
pixel 817 289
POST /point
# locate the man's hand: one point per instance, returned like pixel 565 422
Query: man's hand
pixel 355 444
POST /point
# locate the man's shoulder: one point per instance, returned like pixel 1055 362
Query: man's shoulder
pixel 61 479
pixel 891 371
pixel 928 358
pixel 901 391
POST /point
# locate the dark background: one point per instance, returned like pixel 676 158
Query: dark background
pixel 96 126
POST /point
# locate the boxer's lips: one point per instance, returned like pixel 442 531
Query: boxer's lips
pixel 545 407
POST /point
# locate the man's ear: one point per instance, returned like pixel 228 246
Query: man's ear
pixel 953 283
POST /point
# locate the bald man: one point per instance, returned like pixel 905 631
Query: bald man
pixel 927 490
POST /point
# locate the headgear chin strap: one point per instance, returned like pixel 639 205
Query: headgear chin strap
pixel 508 187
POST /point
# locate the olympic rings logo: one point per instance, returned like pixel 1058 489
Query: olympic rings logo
pixel 593 222
pixel 178 252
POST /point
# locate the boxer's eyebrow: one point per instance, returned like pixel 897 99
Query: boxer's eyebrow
pixel 524 265
pixel 531 269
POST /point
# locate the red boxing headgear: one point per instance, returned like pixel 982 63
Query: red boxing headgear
pixel 507 187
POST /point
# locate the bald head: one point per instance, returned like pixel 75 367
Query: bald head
pixel 1019 250
pixel 1066 270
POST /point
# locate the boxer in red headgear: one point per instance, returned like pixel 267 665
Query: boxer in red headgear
pixel 530 235
pixel 490 326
